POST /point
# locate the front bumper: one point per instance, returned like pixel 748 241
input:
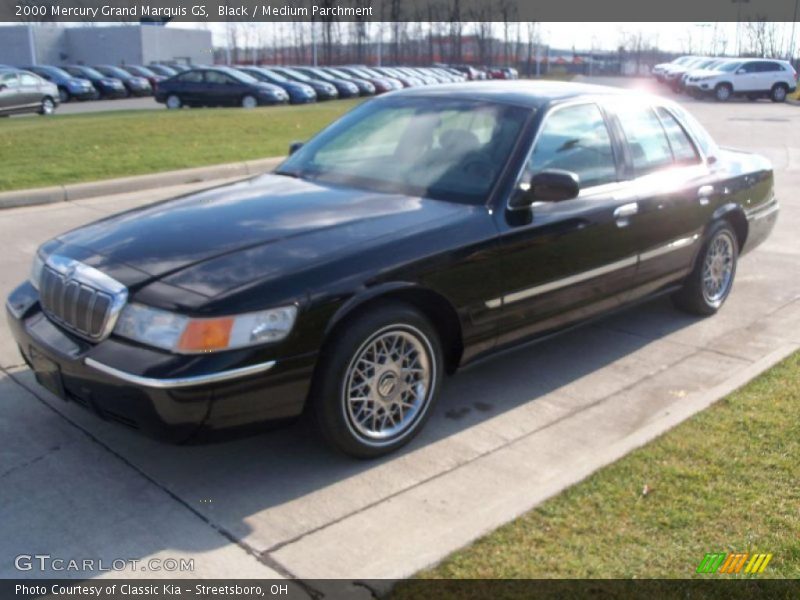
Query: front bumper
pixel 162 395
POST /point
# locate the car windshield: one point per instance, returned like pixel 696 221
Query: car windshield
pixel 340 74
pixel 321 74
pixel 56 72
pixel 114 72
pixel 143 71
pixel 296 74
pixel 89 72
pixel 274 76
pixel 447 149
pixel 728 67
pixel 238 75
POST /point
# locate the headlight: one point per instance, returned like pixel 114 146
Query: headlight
pixel 184 335
pixel 36 270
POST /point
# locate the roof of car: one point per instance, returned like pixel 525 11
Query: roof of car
pixel 522 92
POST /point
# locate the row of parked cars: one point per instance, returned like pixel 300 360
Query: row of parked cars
pixel 723 78
pixel 250 86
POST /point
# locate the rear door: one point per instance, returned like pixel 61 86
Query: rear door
pixel 30 89
pixel 222 89
pixel 673 189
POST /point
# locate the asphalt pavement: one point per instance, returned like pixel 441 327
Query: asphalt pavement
pixel 507 434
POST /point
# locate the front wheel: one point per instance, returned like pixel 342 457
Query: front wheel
pixel 710 282
pixel 723 92
pixel 249 102
pixel 173 102
pixel 378 381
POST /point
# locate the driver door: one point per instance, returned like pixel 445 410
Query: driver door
pixel 564 261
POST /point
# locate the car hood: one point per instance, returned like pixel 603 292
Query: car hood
pixel 193 241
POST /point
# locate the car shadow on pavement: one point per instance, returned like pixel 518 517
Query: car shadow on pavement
pixel 270 489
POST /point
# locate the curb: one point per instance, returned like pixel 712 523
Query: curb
pixel 80 191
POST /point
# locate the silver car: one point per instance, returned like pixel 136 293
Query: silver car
pixel 23 91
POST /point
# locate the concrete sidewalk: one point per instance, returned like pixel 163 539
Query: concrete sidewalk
pixel 507 433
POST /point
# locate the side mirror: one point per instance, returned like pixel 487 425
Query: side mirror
pixel 740 71
pixel 294 147
pixel 550 185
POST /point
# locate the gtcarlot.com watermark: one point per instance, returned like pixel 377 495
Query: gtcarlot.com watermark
pixel 47 562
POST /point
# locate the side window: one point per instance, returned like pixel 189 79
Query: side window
pixel 575 139
pixel 647 141
pixel 683 149
pixel 770 67
pixel 750 67
pixel 191 77
pixel 217 78
pixel 28 79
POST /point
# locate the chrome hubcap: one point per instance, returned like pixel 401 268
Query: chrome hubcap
pixel 249 102
pixel 780 93
pixel 723 93
pixel 47 107
pixel 388 383
pixel 718 268
pixel 173 102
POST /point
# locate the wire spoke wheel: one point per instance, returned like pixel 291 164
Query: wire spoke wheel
pixel 388 384
pixel 718 267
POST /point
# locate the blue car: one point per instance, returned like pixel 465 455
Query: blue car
pixel 299 93
pixel 69 86
pixel 107 87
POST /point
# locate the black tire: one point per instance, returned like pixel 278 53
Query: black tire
pixel 779 92
pixel 337 374
pixel 64 95
pixel 694 297
pixel 249 101
pixel 723 92
pixel 48 106
pixel 173 102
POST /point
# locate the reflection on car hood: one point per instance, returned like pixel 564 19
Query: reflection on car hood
pixel 191 240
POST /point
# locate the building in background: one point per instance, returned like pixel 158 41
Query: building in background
pixel 118 44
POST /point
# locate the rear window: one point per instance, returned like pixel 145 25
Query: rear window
pixel 683 149
pixel 647 140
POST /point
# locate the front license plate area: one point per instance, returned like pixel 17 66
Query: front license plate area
pixel 47 373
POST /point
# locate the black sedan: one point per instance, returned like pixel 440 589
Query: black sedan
pixel 218 86
pixel 107 87
pixel 151 76
pixel 69 86
pixel 421 231
pixel 299 93
pixel 135 85
pixel 323 89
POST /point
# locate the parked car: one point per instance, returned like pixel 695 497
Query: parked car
pixel 164 70
pixel 218 86
pixel 703 68
pixel 23 92
pixel 661 68
pixel 151 76
pixel 405 79
pixel 378 86
pixel 420 232
pixel 299 93
pixel 107 87
pixel 345 88
pixel 69 86
pixel 135 85
pixel 323 89
pixel 752 77
pixel 372 75
pixel 420 73
pixel 179 67
pixel 382 84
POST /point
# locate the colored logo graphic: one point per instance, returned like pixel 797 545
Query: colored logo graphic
pixel 722 562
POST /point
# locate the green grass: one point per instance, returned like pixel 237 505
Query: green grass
pixel 726 480
pixel 37 151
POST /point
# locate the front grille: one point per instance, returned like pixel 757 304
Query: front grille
pixel 80 298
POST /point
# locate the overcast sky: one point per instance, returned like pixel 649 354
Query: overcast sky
pixel 677 37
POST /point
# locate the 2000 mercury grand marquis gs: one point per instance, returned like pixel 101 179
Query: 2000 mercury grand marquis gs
pixel 422 230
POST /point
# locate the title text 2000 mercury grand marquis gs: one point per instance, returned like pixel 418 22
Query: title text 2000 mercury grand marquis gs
pixel 422 230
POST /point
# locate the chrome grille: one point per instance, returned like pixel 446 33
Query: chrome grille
pixel 80 298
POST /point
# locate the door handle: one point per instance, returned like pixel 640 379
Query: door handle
pixel 703 194
pixel 621 213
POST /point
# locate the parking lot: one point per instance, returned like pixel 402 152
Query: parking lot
pixel 508 433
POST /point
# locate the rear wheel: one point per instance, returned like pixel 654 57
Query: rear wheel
pixel 63 95
pixel 48 107
pixel 723 92
pixel 249 101
pixel 378 381
pixel 779 92
pixel 710 282
pixel 174 101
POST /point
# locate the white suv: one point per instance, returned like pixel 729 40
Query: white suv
pixel 751 77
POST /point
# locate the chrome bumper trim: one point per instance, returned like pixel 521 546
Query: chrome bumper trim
pixel 179 382
pixel 763 211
